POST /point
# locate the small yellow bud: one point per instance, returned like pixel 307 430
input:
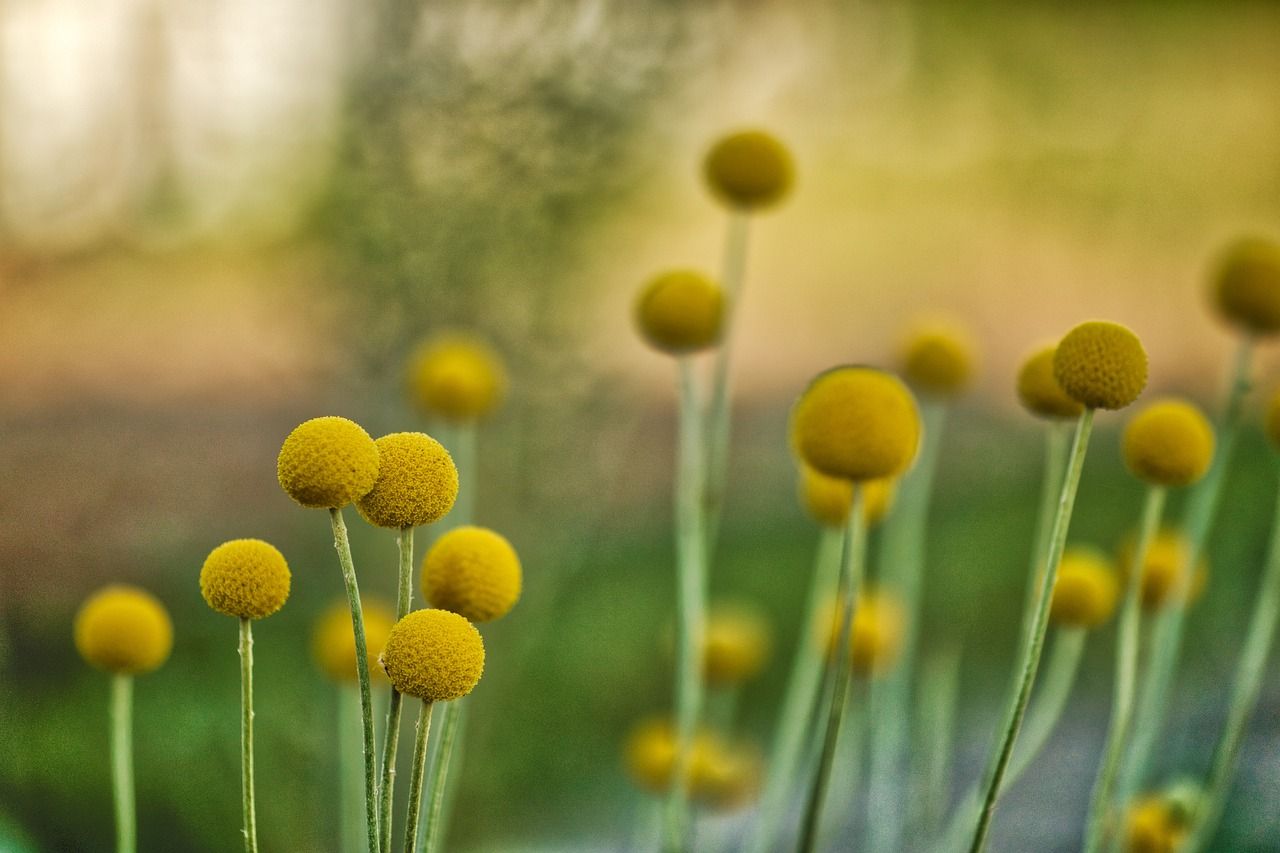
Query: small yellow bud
pixel 1246 286
pixel 1101 365
pixel 749 170
pixel 333 642
pixel 474 572
pixel 1038 388
pixel 124 629
pixel 417 482
pixel 457 377
pixel 1166 567
pixel 434 655
pixel 1154 827
pixel 680 312
pixel 939 361
pixel 327 463
pixel 736 644
pixel 875 638
pixel 830 499
pixel 856 423
pixel 247 578
pixel 1086 591
pixel 1169 443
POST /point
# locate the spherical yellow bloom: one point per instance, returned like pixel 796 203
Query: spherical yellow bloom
pixel 1038 388
pixel 939 361
pixel 1166 567
pixel 1154 827
pixel 680 312
pixel 1102 365
pixel 1086 592
pixel 736 644
pixel 248 578
pixel 327 463
pixel 726 776
pixel 434 655
pixel 875 639
pixel 856 423
pixel 123 629
pixel 457 377
pixel 1273 419
pixel 1169 443
pixel 417 482
pixel 472 571
pixel 720 774
pixel 1246 288
pixel 333 643
pixel 830 499
pixel 749 170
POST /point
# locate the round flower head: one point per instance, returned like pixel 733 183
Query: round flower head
pixel 434 655
pixel 856 423
pixel 1166 568
pixel 248 578
pixel 875 637
pixel 725 776
pixel 1038 388
pixel 650 754
pixel 333 643
pixel 1086 591
pixel 474 572
pixel 1169 443
pixel 1273 419
pixel 749 170
pixel 457 377
pixel 1101 365
pixel 327 463
pixel 938 361
pixel 680 312
pixel 830 499
pixel 1246 287
pixel 417 482
pixel 1154 827
pixel 123 629
pixel 736 644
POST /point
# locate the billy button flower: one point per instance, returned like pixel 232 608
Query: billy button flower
pixel 248 579
pixel 457 377
pixel 830 499
pixel 736 646
pixel 1169 443
pixel 1086 591
pixel 938 360
pixel 125 631
pixel 721 774
pixel 680 312
pixel 1166 569
pixel 1154 825
pixel 1246 286
pixel 875 642
pixel 1039 391
pixel 749 170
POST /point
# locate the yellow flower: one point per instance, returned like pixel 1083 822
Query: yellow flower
pixel 333 643
pixel 856 423
pixel 680 312
pixel 875 638
pixel 1086 591
pixel 1246 287
pixel 938 361
pixel 720 775
pixel 736 645
pixel 1169 443
pixel 1165 567
pixel 474 572
pixel 725 776
pixel 457 377
pixel 830 499
pixel 123 629
pixel 434 655
pixel 749 170
pixel 417 482
pixel 1153 827
pixel 245 577
pixel 327 463
pixel 1101 364
pixel 1038 388
pixel 1273 419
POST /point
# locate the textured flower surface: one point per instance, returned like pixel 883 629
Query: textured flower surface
pixel 1086 591
pixel 474 572
pixel 1169 443
pixel 333 642
pixel 327 463
pixel 457 377
pixel 680 312
pixel 434 655
pixel 856 423
pixel 1246 288
pixel 124 629
pixel 1101 365
pixel 1039 391
pixel 749 170
pixel 247 578
pixel 417 482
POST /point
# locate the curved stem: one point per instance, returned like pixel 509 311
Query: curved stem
pixel 246 736
pixel 1031 657
pixel 415 783
pixel 440 774
pixel 391 737
pixel 1100 818
pixel 343 546
pixel 122 762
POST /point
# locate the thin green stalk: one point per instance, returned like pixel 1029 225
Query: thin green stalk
pixel 343 546
pixel 902 558
pixel 1244 697
pixel 1202 504
pixel 1100 819
pixel 463 449
pixel 434 835
pixel 722 708
pixel 1055 462
pixel 797 705
pixel 839 669
pixel 391 737
pixel 419 771
pixel 691 593
pixel 846 772
pixel 939 696
pixel 1031 659
pixel 348 749
pixel 122 762
pixel 246 736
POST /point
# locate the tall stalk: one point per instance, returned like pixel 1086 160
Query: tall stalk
pixel 391 737
pixel 415 783
pixel 440 776
pixel 122 762
pixel 246 736
pixel 348 788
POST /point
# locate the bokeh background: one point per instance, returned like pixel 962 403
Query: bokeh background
pixel 220 218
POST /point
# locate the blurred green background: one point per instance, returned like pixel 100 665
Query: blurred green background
pixel 219 219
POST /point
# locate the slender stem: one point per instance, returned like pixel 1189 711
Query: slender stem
pixel 803 687
pixel 1031 659
pixel 348 748
pixel 846 771
pixel 1100 817
pixel 246 736
pixel 463 450
pixel 439 775
pixel 419 771
pixel 722 708
pixel 391 737
pixel 122 762
pixel 343 546
pixel 1055 460
pixel 1249 676
pixel 691 595
pixel 939 694
pixel 839 669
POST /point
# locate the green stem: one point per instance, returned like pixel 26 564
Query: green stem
pixel 797 707
pixel 1031 659
pixel 939 694
pixel 1055 460
pixel 348 747
pixel 440 774
pixel 839 669
pixel 419 772
pixel 691 596
pixel 343 546
pixel 246 736
pixel 847 768
pixel 391 737
pixel 122 762
pixel 1249 676
pixel 1100 819
pixel 464 451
